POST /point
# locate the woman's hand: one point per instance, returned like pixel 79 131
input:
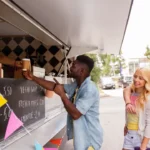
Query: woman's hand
pixel 125 130
pixel 144 143
pixel 142 148
pixel 130 108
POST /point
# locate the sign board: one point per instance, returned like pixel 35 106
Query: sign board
pixel 25 98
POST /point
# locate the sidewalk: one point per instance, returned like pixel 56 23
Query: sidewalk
pixel 102 94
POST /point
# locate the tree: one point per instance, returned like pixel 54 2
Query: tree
pixel 106 65
pixel 95 74
pixel 105 61
pixel 111 64
pixel 119 64
pixel 147 53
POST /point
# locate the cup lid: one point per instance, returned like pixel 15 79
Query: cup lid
pixel 26 59
pixel 24 69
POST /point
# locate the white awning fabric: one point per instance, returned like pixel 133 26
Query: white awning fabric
pixel 83 25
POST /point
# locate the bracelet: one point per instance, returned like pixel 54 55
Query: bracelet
pixel 54 86
pixel 128 104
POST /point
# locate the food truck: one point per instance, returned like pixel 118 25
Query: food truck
pixel 50 33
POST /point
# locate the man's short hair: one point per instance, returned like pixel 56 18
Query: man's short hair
pixel 87 61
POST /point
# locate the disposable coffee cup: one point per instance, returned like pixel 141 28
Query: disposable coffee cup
pixel 26 65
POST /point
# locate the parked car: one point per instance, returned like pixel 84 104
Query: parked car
pixel 126 81
pixel 107 83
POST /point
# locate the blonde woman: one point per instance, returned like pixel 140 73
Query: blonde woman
pixel 137 127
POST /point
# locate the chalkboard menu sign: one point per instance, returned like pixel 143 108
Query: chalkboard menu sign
pixel 25 98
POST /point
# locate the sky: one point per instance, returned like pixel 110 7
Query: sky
pixel 137 36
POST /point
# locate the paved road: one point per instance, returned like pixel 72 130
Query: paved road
pixel 112 120
pixel 114 92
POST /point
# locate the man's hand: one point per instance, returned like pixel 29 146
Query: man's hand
pixel 28 75
pixel 130 108
pixel 59 89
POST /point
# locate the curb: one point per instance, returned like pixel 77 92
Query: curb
pixel 101 96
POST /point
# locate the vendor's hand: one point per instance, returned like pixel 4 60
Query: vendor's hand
pixel 130 108
pixel 28 75
pixel 125 130
pixel 18 64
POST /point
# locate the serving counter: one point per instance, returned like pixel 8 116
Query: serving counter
pixel 26 97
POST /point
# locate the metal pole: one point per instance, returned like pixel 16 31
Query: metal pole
pixel 65 68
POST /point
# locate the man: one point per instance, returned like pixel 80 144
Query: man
pixel 82 104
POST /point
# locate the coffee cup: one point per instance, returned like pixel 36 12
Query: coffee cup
pixel 26 65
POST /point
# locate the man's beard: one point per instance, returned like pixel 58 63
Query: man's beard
pixel 71 75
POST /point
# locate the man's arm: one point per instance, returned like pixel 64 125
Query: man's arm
pixel 70 107
pixel 49 85
pixel 86 100
pixel 58 89
pixel 126 95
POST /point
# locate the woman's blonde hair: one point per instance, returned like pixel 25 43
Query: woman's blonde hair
pixel 143 96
